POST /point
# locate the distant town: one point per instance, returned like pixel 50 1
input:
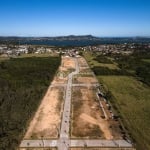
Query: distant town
pixel 12 50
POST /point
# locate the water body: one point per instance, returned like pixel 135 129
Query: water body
pixel 61 43
pixel 81 42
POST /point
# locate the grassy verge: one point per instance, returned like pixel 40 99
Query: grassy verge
pixel 23 82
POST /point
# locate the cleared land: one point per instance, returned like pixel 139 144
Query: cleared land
pixel 87 121
pixel 84 123
pixel 87 79
pixel 67 63
pixel 46 122
pixel 82 62
pixel 67 66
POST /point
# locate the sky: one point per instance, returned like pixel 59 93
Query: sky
pixel 102 18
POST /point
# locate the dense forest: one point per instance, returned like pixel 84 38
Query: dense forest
pixel 23 82
pixel 137 65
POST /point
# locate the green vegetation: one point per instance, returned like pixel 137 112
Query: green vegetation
pixel 23 82
pixel 128 90
pixel 135 65
pixel 37 55
pixel 131 98
pixel 146 60
pixel 103 59
pixel 91 59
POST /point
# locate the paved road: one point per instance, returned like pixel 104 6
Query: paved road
pixel 86 85
pixel 64 141
pixel 38 143
pixel 101 143
pixel 58 85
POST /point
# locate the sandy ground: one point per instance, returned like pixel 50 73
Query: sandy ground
pixel 67 65
pixel 88 115
pixel 85 114
pixel 68 62
pixel 86 80
pixel 82 62
pixel 85 70
pixel 46 121
pixel 104 126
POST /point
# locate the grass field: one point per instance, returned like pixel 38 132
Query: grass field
pixel 38 55
pixel 93 63
pixel 131 99
pixel 146 60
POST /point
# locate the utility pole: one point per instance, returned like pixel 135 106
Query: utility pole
pixel 42 142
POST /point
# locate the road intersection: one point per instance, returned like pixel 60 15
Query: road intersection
pixel 64 142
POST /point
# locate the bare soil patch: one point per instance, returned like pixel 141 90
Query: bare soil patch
pixel 82 62
pixel 86 117
pixel 84 104
pixel 67 66
pixel 46 121
pixel 68 62
pixel 86 80
pixel 104 126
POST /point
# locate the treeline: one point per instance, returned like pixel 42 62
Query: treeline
pixel 103 59
pixel 132 65
pixel 106 71
pixel 23 82
pixel 136 64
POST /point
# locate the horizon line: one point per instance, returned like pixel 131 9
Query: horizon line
pixel 34 36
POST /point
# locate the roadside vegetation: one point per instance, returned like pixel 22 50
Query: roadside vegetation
pixel 127 86
pixel 23 82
